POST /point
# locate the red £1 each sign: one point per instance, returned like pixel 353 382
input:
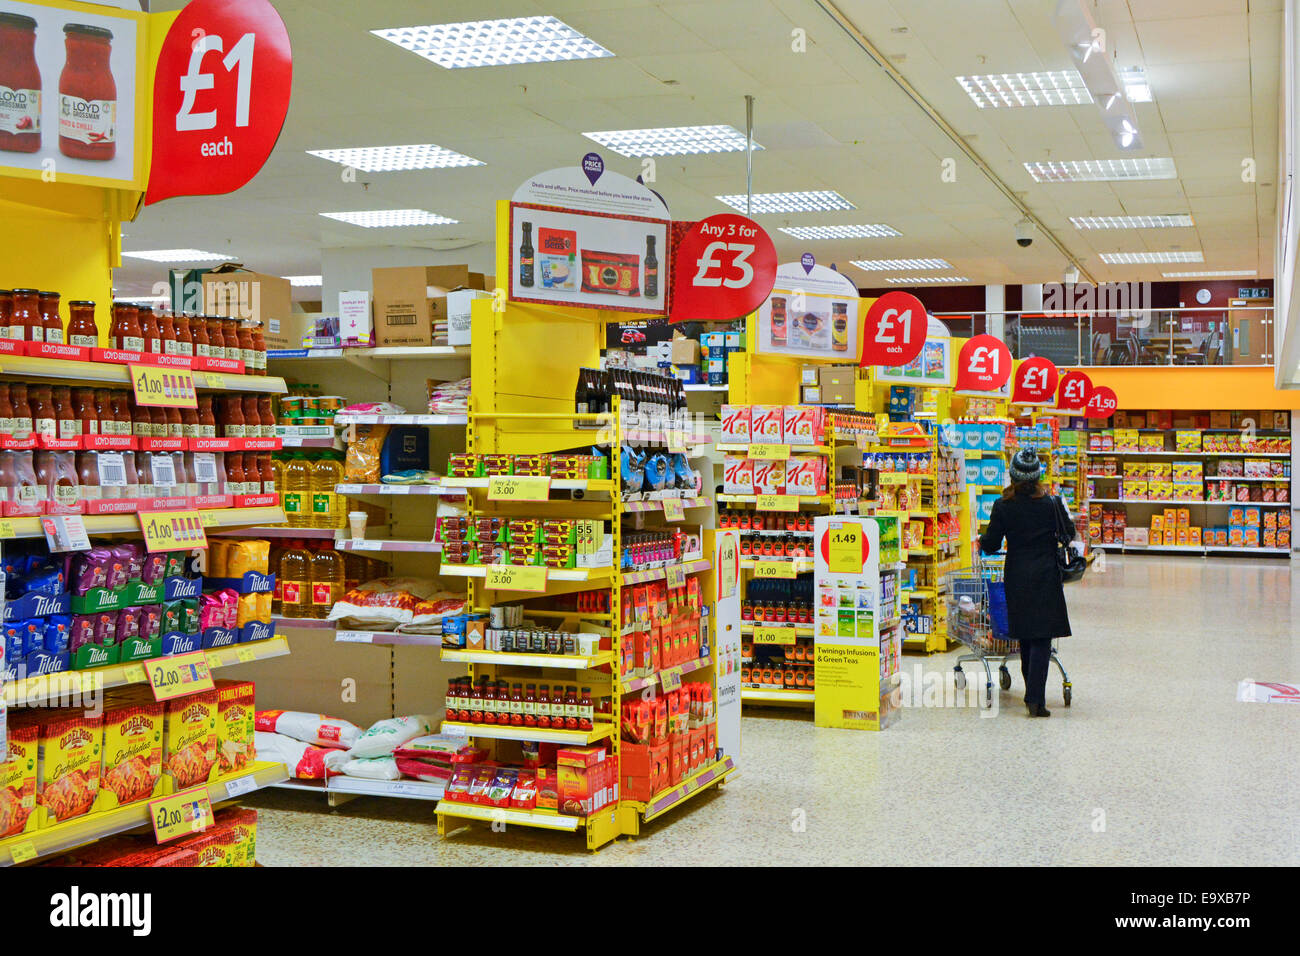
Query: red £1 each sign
pixel 983 365
pixel 725 268
pixel 221 93
pixel 1073 391
pixel 1102 402
pixel 1036 380
pixel 894 330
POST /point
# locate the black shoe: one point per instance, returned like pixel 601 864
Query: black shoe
pixel 1041 712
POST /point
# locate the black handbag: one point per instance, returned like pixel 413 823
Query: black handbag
pixel 1072 565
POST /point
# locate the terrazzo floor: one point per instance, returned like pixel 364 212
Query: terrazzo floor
pixel 1155 762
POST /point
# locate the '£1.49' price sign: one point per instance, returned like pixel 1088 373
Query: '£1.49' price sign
pixel 221 93
pixel 725 268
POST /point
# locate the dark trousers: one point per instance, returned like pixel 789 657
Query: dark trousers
pixel 1035 656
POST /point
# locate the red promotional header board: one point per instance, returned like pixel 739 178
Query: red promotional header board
pixel 1102 402
pixel 1036 380
pixel 1073 391
pixel 221 93
pixel 894 330
pixel 724 268
pixel 983 365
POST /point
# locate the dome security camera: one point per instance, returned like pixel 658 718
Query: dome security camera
pixel 1024 233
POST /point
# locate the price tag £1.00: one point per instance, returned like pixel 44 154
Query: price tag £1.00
pixel 172 530
pixel 160 387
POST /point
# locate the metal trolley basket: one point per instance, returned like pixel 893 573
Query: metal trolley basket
pixel 977 617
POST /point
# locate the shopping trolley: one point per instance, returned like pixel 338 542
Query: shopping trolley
pixel 977 618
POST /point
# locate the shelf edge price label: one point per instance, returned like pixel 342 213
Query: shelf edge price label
pixel 181 814
pixel 505 577
pixel 178 676
pixel 773 635
pixel 519 488
pixel 765 452
pixel 23 852
pixel 134 674
pixel 7 529
pixel 160 387
pixel 777 503
pixel 766 570
pixel 893 478
pixel 671 679
pixel 675 575
pixel 676 442
pixel 674 509
pixel 172 530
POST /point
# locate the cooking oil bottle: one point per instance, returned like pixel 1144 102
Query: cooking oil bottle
pixel 326 472
pixel 327 580
pixel 273 563
pixel 295 580
pixel 297 491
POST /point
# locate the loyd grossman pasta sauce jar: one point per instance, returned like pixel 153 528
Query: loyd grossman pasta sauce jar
pixel 20 85
pixel 87 95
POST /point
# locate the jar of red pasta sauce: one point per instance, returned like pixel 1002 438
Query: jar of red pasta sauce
pixel 20 85
pixel 87 95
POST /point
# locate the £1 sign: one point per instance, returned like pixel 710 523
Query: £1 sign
pixel 221 93
pixel 724 268
pixel 983 365
pixel 1035 382
pixel 894 330
pixel 1073 391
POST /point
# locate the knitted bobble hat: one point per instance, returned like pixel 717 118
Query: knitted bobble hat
pixel 1025 466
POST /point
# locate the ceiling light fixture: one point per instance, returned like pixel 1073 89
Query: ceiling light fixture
pixel 882 265
pixel 1136 87
pixel 303 282
pixel 865 231
pixel 1103 170
pixel 178 255
pixel 390 218
pixel 1052 88
pixel 1212 274
pixel 1083 38
pixel 925 280
pixel 812 201
pixel 1146 258
pixel 472 43
pixel 383 159
pixel 672 140
pixel 1175 221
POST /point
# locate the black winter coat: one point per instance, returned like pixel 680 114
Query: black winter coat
pixel 1035 595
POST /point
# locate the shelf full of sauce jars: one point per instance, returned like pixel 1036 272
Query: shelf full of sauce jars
pixel 30 324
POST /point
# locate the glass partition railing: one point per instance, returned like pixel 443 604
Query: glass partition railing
pixel 1196 336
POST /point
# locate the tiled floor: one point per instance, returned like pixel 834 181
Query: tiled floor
pixel 1155 762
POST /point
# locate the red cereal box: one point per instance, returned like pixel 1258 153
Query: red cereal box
pixel 767 423
pixel 803 425
pixel 735 424
pixel 769 477
pixel 737 476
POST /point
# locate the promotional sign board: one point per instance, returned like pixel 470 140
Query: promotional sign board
pixel 724 269
pixel 984 367
pixel 589 237
pixel 813 312
pixel 1072 392
pixel 847 633
pixel 932 367
pixel 221 93
pixel 1036 380
pixel 726 624
pixel 1102 402
pixel 895 328
pixel 71 93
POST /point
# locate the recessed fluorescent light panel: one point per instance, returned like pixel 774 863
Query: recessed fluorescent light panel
pixel 925 280
pixel 495 42
pixel 865 231
pixel 1103 170
pixel 672 140
pixel 997 90
pixel 1136 87
pixel 1179 221
pixel 383 159
pixel 882 265
pixel 303 282
pixel 178 255
pixel 816 200
pixel 1146 258
pixel 389 218
pixel 1212 274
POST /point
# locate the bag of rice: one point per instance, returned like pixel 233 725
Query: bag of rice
pixel 309 728
pixel 373 768
pixel 382 738
pixel 304 761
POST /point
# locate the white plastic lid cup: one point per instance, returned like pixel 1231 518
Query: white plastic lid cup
pixel 357 522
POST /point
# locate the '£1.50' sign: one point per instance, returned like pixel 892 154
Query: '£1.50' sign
pixel 221 92
pixel 725 268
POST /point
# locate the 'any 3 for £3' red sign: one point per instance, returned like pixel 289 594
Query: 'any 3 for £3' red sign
pixel 221 92
pixel 724 268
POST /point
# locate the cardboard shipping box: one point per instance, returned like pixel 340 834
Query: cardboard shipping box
pixel 410 300
pixel 231 290
pixel 838 384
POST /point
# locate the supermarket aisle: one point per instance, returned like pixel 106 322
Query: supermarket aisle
pixel 1154 763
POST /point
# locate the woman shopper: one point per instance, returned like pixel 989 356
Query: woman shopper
pixel 1028 518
